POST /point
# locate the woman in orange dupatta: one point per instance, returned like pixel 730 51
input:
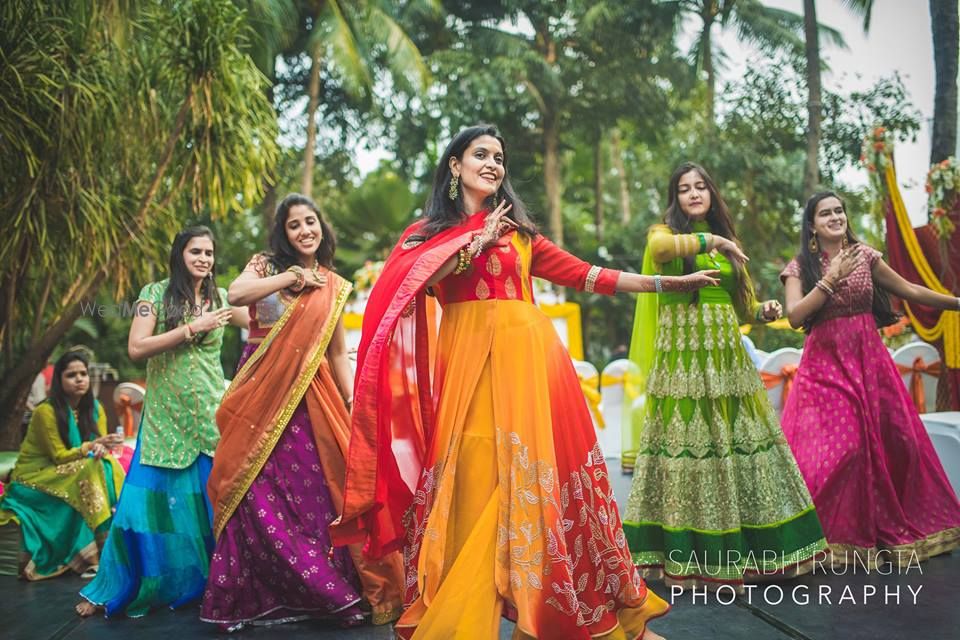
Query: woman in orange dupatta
pixel 493 484
pixel 277 479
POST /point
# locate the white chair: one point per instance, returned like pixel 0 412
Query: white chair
pixel 612 381
pixel 944 431
pixel 920 355
pixel 587 373
pixel 781 363
pixel 752 351
pixel 129 395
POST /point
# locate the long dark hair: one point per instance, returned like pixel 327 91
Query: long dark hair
pixel 179 298
pixel 442 213
pixel 282 255
pixel 810 272
pixel 58 399
pixel 721 224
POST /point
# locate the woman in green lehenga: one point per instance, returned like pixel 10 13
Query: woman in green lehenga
pixel 65 482
pixel 717 497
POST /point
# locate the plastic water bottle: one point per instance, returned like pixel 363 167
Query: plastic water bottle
pixel 116 451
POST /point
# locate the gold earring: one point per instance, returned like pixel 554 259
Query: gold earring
pixel 844 241
pixel 814 245
pixel 454 184
pixel 496 201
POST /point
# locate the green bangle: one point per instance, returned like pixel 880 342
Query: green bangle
pixel 702 237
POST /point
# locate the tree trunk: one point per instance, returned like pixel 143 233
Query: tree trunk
pixel 946 31
pixel 616 157
pixel 709 16
pixel 269 207
pixel 309 151
pixel 811 173
pixel 598 185
pixel 17 379
pixel 551 176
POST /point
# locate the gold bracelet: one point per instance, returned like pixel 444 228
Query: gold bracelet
pixel 301 277
pixel 463 261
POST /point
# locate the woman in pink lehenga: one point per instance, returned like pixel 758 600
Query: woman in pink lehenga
pixel 878 486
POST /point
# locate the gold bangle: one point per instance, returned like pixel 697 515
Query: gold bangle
pixel 301 277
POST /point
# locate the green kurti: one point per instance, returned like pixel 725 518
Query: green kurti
pixel 179 417
pixel 716 492
pixel 59 496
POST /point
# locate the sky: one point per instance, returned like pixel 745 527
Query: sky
pixel 899 39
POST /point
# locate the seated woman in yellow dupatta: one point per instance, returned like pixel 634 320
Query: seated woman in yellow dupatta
pixel 277 479
pixel 494 484
pixel 66 481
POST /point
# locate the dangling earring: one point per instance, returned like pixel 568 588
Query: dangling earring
pixel 496 201
pixel 454 184
pixel 814 246
pixel 844 241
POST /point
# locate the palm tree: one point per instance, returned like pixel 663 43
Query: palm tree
pixel 353 35
pixel 274 25
pixel 769 28
pixel 945 27
pixel 112 133
pixel 945 24
pixel 811 172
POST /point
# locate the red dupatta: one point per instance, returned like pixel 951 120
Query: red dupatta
pixel 392 417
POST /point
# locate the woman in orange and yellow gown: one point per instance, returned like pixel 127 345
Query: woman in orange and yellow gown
pixel 492 481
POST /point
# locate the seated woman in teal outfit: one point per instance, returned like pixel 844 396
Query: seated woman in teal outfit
pixel 158 551
pixel 66 481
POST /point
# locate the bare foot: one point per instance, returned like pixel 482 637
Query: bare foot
pixel 648 634
pixel 86 609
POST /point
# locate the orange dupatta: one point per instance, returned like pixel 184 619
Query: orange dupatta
pixel 264 394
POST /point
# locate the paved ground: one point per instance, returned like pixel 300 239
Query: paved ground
pixel 822 607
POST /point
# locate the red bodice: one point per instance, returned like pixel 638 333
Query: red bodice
pixel 504 271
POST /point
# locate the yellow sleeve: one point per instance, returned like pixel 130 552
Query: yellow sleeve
pixel 44 423
pixel 665 245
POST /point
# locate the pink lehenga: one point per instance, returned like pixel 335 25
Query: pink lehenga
pixel 877 483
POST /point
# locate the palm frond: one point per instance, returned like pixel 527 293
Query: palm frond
pixel 863 8
pixel 336 33
pixel 403 57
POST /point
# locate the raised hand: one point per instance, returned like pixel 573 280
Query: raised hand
pixel 770 310
pixel 694 281
pixel 211 320
pixel 496 224
pixel 313 279
pixel 842 264
pixel 730 249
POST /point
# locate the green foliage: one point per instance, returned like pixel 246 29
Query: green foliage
pixel 115 135
pixel 849 118
pixel 95 99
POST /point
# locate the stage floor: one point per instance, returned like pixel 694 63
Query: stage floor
pixel 917 602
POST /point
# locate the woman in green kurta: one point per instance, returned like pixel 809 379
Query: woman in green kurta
pixel 158 551
pixel 65 482
pixel 717 496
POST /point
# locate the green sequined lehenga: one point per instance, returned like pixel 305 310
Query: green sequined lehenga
pixel 717 496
